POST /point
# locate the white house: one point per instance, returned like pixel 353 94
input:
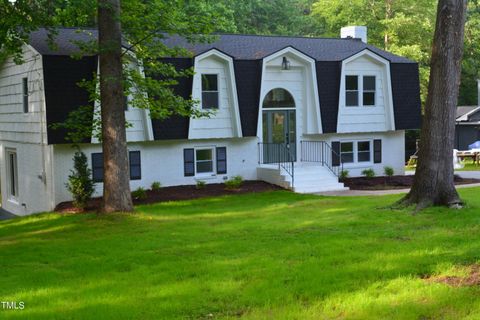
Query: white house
pixel 287 110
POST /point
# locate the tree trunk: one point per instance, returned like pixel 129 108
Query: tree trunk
pixel 388 16
pixel 433 183
pixel 116 178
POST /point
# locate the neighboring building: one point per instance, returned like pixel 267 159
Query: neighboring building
pixel 467 127
pixel 319 103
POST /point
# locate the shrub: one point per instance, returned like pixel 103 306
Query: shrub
pixel 80 182
pixel 368 173
pixel 139 194
pixel 201 184
pixel 343 174
pixel 156 186
pixel 234 183
pixel 388 171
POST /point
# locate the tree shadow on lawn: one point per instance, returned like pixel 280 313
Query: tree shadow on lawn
pixel 284 251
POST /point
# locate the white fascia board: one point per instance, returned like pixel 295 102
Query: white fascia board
pixel 380 60
pixel 313 74
pixel 233 84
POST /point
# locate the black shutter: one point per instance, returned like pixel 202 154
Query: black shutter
pixel 135 165
pixel 188 162
pixel 97 167
pixel 377 151
pixel 222 160
pixel 335 153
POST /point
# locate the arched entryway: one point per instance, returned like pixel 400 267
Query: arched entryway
pixel 279 125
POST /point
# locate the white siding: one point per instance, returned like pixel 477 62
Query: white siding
pixel 223 123
pixel 33 194
pixel 139 124
pixel 15 125
pixel 26 134
pixel 163 161
pixel 366 118
pixel 393 150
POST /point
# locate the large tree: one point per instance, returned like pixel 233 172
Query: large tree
pixel 116 181
pixel 140 26
pixel 433 183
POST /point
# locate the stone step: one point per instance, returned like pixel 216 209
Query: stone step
pixel 308 179
pixel 317 190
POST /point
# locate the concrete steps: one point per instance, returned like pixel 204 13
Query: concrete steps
pixel 308 178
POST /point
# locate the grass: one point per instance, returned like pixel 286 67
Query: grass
pixel 469 166
pixel 275 255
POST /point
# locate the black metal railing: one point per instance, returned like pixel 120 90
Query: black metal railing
pixel 321 152
pixel 278 154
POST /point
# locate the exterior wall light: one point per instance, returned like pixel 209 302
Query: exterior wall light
pixel 285 64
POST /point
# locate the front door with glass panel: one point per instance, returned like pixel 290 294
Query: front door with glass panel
pixel 279 127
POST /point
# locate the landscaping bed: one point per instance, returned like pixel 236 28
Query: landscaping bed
pixel 174 193
pixel 393 182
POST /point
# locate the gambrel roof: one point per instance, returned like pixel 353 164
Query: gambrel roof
pixel 247 53
pixel 238 46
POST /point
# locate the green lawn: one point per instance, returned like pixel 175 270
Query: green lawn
pixel 276 255
pixel 469 166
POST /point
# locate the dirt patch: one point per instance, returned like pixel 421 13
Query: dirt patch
pixel 179 193
pixel 394 182
pixel 471 279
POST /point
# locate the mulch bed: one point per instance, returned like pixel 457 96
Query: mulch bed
pixel 471 279
pixel 394 182
pixel 179 193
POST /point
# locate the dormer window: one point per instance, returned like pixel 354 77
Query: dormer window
pixel 210 91
pixel 355 84
pixel 368 90
pixel 351 91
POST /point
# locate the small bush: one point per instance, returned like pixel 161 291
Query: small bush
pixel 234 183
pixel 388 171
pixel 156 186
pixel 368 173
pixel 200 184
pixel 80 183
pixel 343 174
pixel 139 194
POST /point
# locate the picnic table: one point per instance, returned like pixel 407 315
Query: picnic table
pixel 474 155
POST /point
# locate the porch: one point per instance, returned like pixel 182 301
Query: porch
pixel 315 168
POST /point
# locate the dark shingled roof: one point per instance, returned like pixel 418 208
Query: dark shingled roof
pixel 252 47
pixel 66 41
pixel 240 47
pixel 463 110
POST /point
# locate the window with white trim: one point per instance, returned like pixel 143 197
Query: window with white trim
pixel 356 151
pixel 351 91
pixel 134 163
pixel 12 174
pixel 354 84
pixel 204 160
pixel 210 91
pixel 363 151
pixel 368 90
pixel 346 152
